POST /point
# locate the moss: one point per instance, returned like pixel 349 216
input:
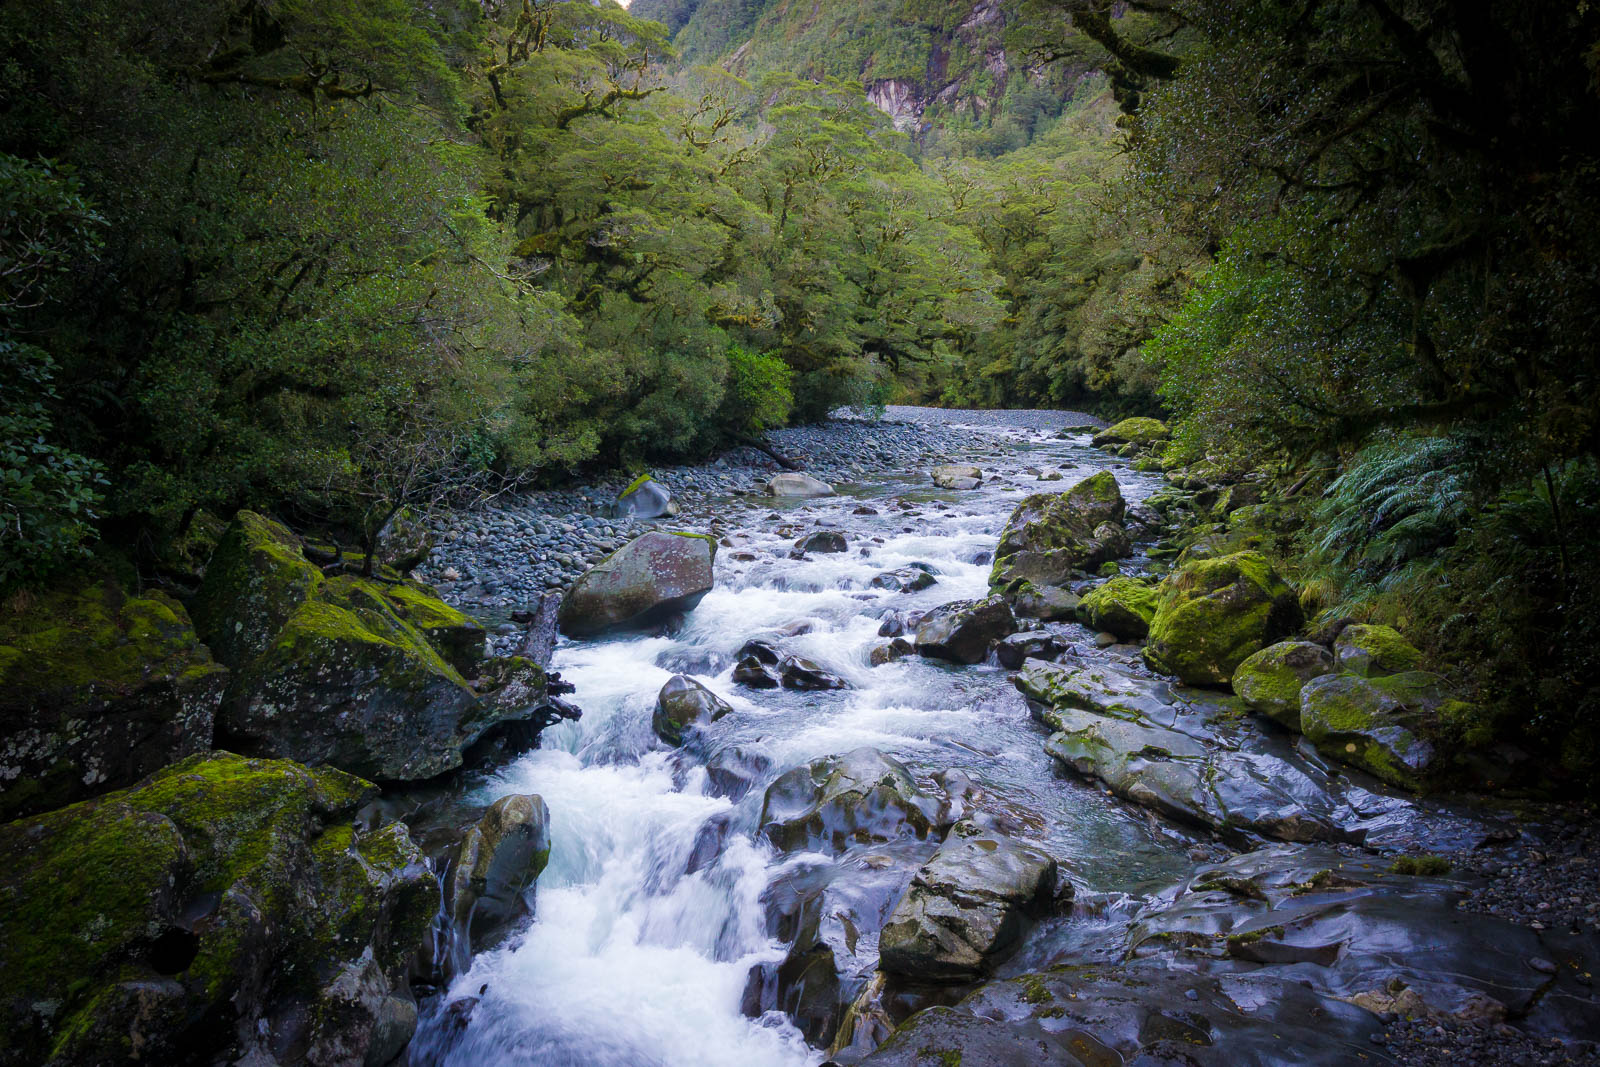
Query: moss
pixel 1421 866
pixel 1372 651
pixel 1140 431
pixel 1250 937
pixel 1214 613
pixel 422 608
pixel 634 486
pixel 1034 991
pixel 1122 606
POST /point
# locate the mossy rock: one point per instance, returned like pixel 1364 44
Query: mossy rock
pixel 97 689
pixel 1052 536
pixel 1386 726
pixel 1270 680
pixel 172 917
pixel 1122 606
pixel 1374 651
pixel 1141 431
pixel 1215 613
pixel 366 674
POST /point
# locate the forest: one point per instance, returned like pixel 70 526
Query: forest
pixel 293 272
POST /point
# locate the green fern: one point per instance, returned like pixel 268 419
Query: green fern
pixel 1399 504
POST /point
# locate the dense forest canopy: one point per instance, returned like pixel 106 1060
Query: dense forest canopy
pixel 333 258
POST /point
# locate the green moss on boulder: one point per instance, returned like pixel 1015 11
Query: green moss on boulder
pixel 1215 613
pixel 97 689
pixel 1386 726
pixel 1270 680
pixel 175 916
pixel 1374 651
pixel 1136 431
pixel 1122 606
pixel 1050 537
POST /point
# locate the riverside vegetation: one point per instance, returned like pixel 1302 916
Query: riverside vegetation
pixel 340 341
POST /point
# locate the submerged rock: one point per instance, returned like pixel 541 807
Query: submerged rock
pixel 967 908
pixel 1121 606
pixel 904 580
pixel 97 690
pixel 1052 536
pixel 962 630
pixel 1270 680
pixel 834 802
pixel 795 486
pixel 823 542
pixel 683 704
pixel 644 582
pixel 241 907
pixel 1216 613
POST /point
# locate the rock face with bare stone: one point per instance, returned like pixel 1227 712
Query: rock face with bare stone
pixel 793 486
pixel 645 581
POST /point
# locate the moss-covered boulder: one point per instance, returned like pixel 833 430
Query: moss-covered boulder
pixel 1270 681
pixel 1215 613
pixel 98 688
pixel 645 581
pixel 1121 606
pixel 645 498
pixel 368 675
pixel 1048 603
pixel 1050 537
pixel 1374 651
pixel 222 906
pixel 1386 726
pixel 405 541
pixel 1141 431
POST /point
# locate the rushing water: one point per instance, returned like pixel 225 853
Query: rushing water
pixel 631 960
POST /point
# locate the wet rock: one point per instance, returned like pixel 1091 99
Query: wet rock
pixel 962 630
pixel 797 672
pixel 1214 614
pixel 1052 536
pixel 1374 651
pixel 235 896
pixel 498 862
pixel 956 477
pixel 904 580
pixel 682 704
pixel 1121 606
pixel 967 908
pixel 97 690
pixel 758 666
pixel 1018 648
pixel 1048 603
pixel 894 624
pixel 1143 743
pixel 1270 680
pixel 1382 725
pixel 834 802
pixel 823 541
pixel 797 486
pixel 734 771
pixel 897 649
pixel 647 580
pixel 644 498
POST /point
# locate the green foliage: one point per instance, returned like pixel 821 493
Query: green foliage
pixel 758 397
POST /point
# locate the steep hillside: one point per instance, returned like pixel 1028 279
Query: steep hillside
pixel 940 71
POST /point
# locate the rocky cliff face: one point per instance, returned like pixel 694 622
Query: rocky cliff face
pixel 924 64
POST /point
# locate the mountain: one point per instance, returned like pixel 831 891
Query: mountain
pixel 939 70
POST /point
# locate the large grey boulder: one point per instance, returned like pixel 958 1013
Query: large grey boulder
pixel 793 486
pixel 967 908
pixel 962 630
pixel 644 582
pixel 1052 536
pixel 832 803
pixel 683 704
